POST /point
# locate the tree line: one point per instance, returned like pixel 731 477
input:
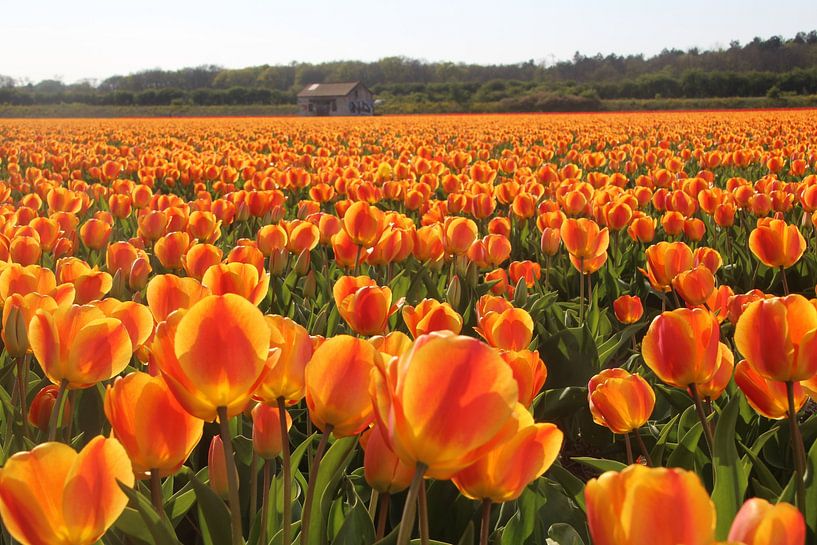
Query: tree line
pixel 770 67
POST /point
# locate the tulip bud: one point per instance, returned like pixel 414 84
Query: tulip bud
pixel 39 413
pixel 520 293
pixel 303 263
pixel 14 330
pixel 139 274
pixel 119 285
pixel 266 430
pixel 472 276
pixel 217 464
pixel 454 292
pixel 276 214
pixel 278 262
pixel 310 285
pixel 242 212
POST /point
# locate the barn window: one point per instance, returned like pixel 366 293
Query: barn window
pixel 310 107
pixel 334 105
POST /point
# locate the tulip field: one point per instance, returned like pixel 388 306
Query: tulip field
pixel 503 329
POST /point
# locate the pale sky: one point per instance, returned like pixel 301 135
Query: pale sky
pixel 77 39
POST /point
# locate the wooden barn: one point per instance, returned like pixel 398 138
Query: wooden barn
pixel 348 98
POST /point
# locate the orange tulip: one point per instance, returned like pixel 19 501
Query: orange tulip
pixel 760 523
pixel 363 304
pixel 720 380
pixel 583 239
pixel 620 401
pixel 395 343
pixel 363 223
pixel 459 234
pixel 529 372
pixel 286 375
pixel 708 257
pixel 551 241
pixel 53 495
pixel 777 244
pixel 347 253
pixel 658 506
pixel 511 329
pixel 428 244
pixel 588 266
pixel 270 238
pixel 39 413
pixel 170 249
pixel 767 397
pixel 95 234
pixel 682 346
pixel 157 433
pixel 168 292
pixel 25 250
pixel 238 278
pixel 337 384
pixel 528 270
pixel 738 303
pixel 199 258
pixel 628 309
pixel 778 337
pixel 444 417
pixel 79 345
pixel 665 261
pixel 266 430
pixel 642 229
pixel 382 469
pixel 502 474
pixel 695 285
pixel 431 315
pixel 213 355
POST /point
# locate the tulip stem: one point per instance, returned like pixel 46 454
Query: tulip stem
pixel 797 447
pixel 156 491
pixel 629 448
pixel 485 523
pixel 373 504
pixel 410 509
pixel 422 504
pixel 699 408
pixel 232 481
pixel 56 412
pixel 22 383
pixel 382 515
pixel 785 281
pixel 286 473
pixel 643 448
pixel 309 498
pixel 581 293
pixel 253 488
pixel 265 503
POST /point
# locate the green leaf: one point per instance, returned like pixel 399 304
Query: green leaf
pixel 600 463
pixel 214 517
pixel 571 357
pixel 615 343
pixel 522 528
pixel 332 467
pixel 159 530
pixel 559 402
pixel 564 534
pixel 684 454
pixel 357 527
pixel 731 478
pixel 811 491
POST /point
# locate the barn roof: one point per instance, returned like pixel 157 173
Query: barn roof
pixel 328 89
